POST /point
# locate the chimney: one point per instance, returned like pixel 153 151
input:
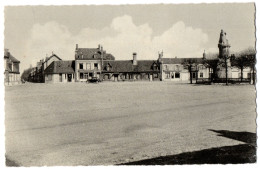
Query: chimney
pixel 134 58
pixel 6 52
pixel 99 46
pixel 77 46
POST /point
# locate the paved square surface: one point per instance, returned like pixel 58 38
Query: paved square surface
pixel 112 123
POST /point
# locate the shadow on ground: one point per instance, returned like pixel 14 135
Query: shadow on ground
pixel 237 154
pixel 10 163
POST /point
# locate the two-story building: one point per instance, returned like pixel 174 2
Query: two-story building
pixel 12 70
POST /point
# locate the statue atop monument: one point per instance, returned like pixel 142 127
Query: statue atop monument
pixel 223 47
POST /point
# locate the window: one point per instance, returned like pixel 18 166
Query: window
pixel 248 75
pixel 155 67
pixel 201 74
pixel 172 75
pixel 85 76
pixel 108 68
pixel 194 75
pixel 177 68
pixel 10 66
pixel 81 66
pixel 95 65
pixel 60 77
pixel 167 75
pixel 165 67
pixel 81 75
pixel 88 66
pixel 177 75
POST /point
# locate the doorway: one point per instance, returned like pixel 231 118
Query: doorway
pixel 69 77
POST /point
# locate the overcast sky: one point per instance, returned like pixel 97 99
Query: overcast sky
pixel 31 32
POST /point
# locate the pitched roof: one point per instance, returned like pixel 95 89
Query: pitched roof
pixel 8 55
pixel 13 59
pixel 92 54
pixel 180 60
pixel 53 55
pixel 127 66
pixel 60 67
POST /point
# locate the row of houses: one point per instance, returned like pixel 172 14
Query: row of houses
pixel 92 63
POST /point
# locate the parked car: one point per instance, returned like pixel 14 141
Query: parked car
pixel 94 80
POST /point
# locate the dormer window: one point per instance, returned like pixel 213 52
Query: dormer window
pixel 154 66
pixel 108 67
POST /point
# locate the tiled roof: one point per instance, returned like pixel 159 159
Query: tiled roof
pixel 60 67
pixel 180 60
pixel 127 66
pixel 92 54
pixel 11 57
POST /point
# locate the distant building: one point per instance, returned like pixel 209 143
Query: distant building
pixel 131 70
pixel 12 72
pixel 182 69
pixel 89 61
pixel 37 73
pixel 47 62
pixel 60 71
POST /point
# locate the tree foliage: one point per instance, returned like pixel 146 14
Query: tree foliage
pixel 25 74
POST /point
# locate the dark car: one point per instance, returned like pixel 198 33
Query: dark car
pixel 94 80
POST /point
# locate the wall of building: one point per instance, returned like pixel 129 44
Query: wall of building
pixel 236 73
pixel 88 66
pixel 176 72
pixel 12 78
pixel 55 78
pixel 131 76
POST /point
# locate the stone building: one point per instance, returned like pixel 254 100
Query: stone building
pixel 12 70
pixel 89 62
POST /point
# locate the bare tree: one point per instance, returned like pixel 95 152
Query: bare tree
pixel 189 63
pixel 250 54
pixel 240 62
pixel 25 75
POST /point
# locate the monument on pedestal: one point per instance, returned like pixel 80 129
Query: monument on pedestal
pixel 224 69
